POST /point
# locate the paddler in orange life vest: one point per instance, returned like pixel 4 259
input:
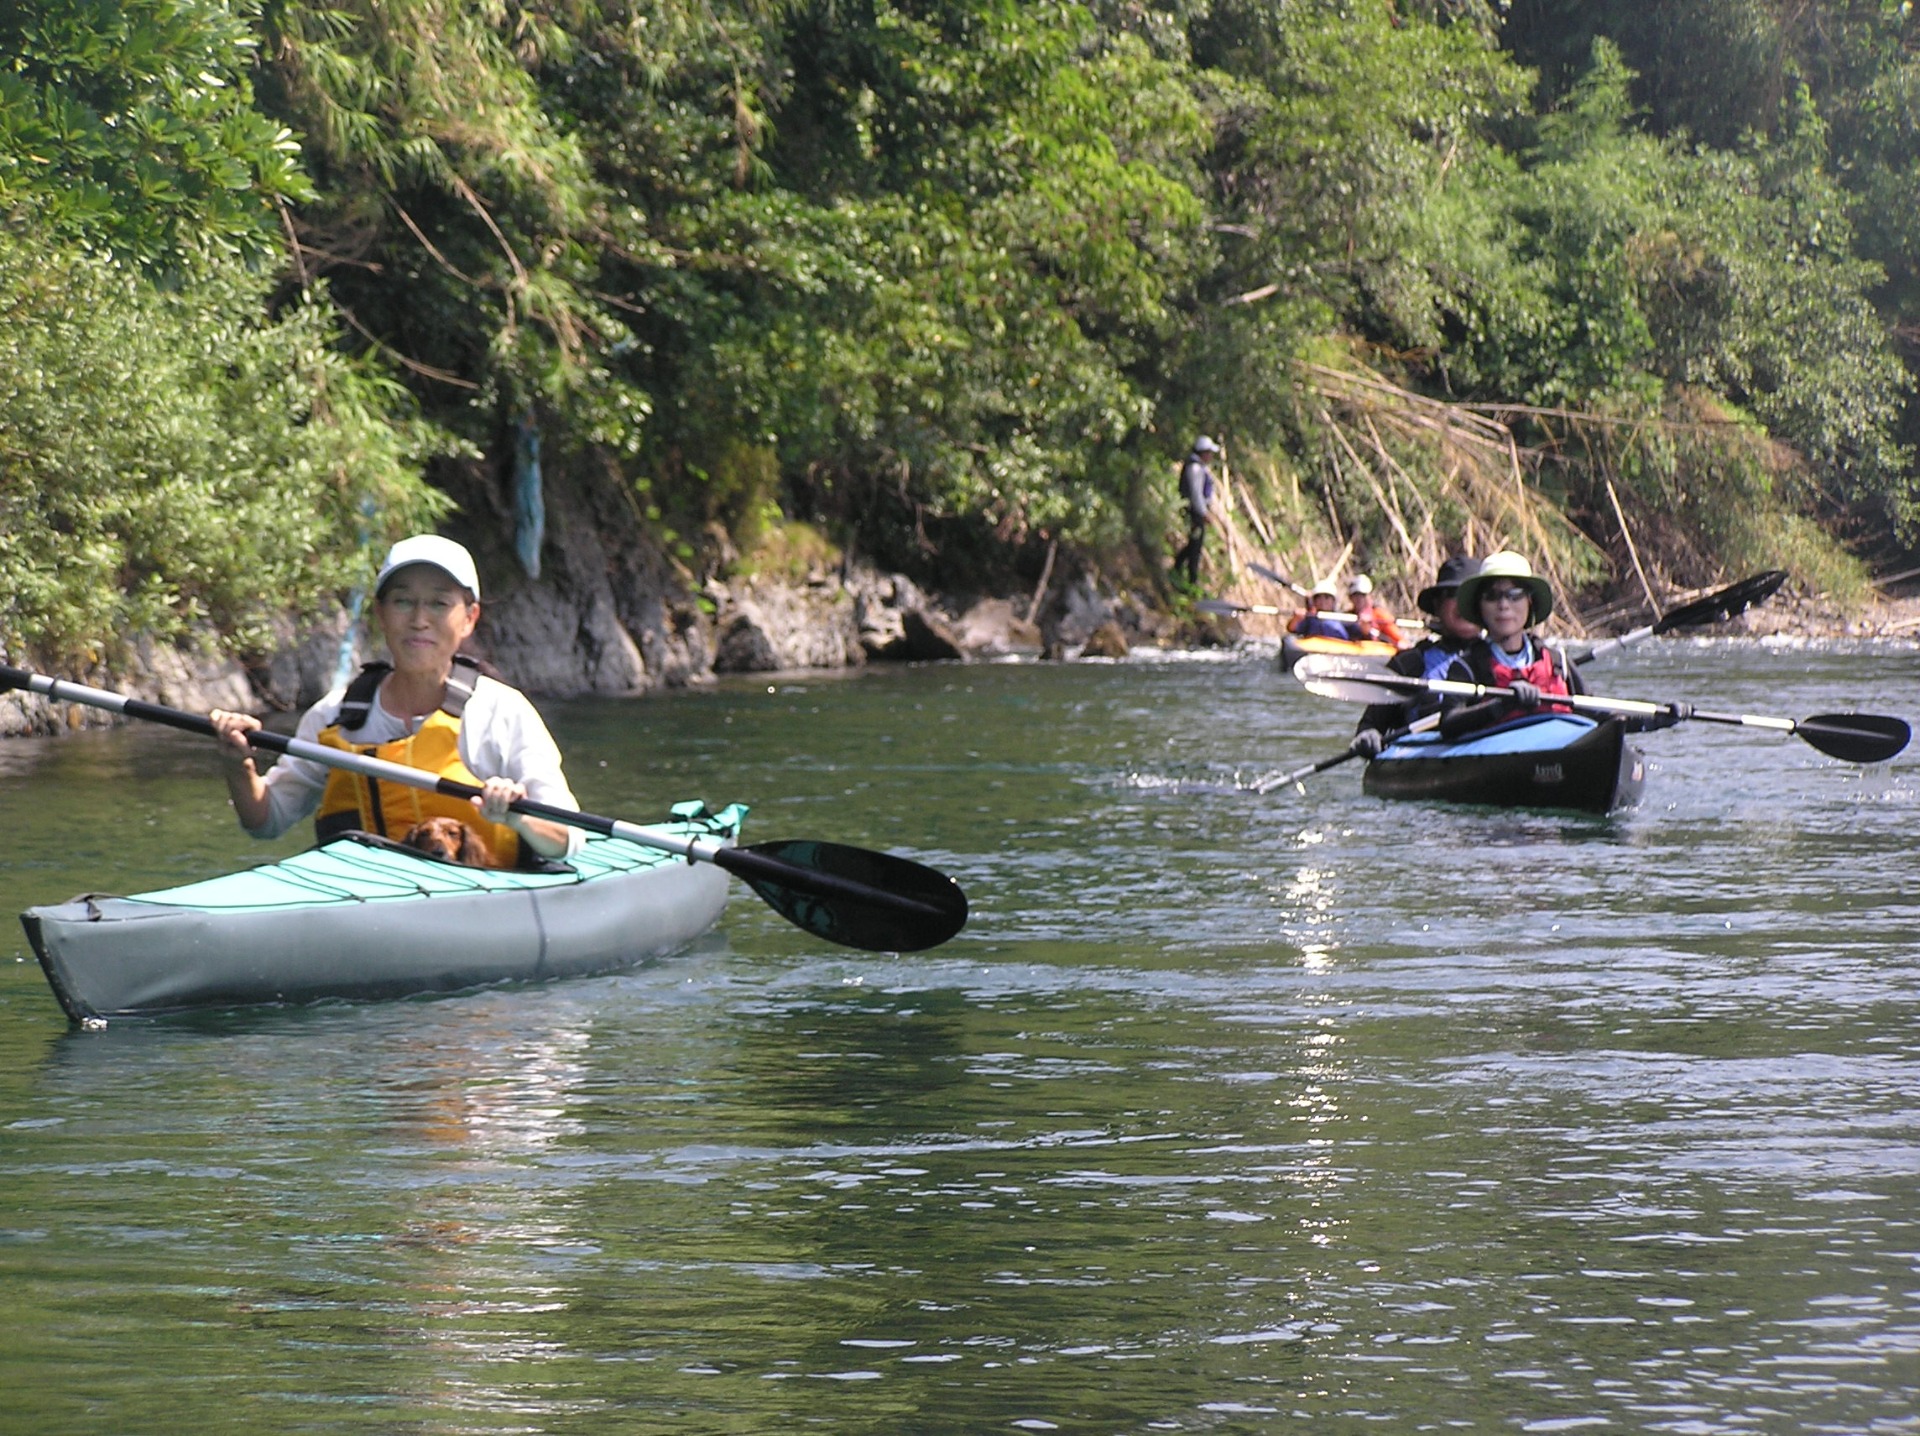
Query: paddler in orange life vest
pixel 431 708
pixel 1370 620
pixel 1508 597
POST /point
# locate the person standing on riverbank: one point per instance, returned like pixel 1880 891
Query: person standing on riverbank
pixel 1196 491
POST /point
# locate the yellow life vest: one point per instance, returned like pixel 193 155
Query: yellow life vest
pixel 353 802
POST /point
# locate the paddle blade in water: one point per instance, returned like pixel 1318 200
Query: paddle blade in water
pixel 1728 603
pixel 1855 737
pixel 853 896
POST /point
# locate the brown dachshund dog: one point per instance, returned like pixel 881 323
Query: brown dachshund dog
pixel 451 840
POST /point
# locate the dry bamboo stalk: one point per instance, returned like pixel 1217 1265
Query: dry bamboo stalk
pixel 1462 414
pixel 1391 506
pixel 1632 551
pixel 1332 571
pixel 1040 588
pixel 1254 515
pixel 1374 484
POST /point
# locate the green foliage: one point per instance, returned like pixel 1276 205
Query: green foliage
pixel 1816 107
pixel 943 277
pixel 132 126
pixel 171 462
pixel 923 263
pixel 463 208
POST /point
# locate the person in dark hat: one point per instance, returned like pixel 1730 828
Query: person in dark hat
pixel 1440 655
pixel 1196 492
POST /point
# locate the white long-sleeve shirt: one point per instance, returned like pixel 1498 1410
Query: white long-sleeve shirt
pixel 501 735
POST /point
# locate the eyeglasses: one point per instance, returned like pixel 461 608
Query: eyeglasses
pixel 1502 595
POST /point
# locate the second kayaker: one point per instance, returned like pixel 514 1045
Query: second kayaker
pixel 1508 598
pixel 1442 654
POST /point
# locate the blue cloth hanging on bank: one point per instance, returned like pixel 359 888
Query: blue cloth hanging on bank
pixel 529 504
pixel 346 658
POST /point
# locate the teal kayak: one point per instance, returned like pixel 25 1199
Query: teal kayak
pixel 360 918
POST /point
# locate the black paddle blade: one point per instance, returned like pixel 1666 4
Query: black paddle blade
pixel 1855 737
pixel 853 896
pixel 1274 576
pixel 1219 605
pixel 1729 602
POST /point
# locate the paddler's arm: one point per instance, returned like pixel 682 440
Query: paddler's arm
pixel 244 784
pixel 549 840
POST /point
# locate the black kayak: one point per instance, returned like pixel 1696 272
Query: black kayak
pixel 1544 760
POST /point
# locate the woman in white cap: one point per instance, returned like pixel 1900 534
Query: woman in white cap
pixel 1316 620
pixel 430 708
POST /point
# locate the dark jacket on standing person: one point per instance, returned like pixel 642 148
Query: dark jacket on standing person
pixel 1196 485
pixel 1196 491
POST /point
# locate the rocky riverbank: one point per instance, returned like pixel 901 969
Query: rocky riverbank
pixel 556 640
pixel 611 613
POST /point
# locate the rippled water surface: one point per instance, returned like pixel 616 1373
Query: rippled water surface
pixel 1225 1113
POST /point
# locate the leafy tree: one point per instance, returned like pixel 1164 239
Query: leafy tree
pixel 171 464
pixel 923 255
pixel 132 126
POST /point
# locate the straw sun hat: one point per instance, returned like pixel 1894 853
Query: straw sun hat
pixel 1508 565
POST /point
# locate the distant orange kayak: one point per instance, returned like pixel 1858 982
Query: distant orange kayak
pixel 1293 648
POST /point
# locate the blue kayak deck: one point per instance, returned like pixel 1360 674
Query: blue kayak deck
pixel 1541 760
pixel 1535 733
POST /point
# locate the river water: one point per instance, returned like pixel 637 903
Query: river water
pixel 1225 1113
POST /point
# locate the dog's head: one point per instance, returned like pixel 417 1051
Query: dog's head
pixel 451 840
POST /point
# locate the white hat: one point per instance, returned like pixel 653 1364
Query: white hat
pixel 1360 583
pixel 1325 586
pixel 443 553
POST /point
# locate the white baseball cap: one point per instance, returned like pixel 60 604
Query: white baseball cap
pixel 443 553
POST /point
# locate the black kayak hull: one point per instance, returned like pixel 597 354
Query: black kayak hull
pixel 1545 761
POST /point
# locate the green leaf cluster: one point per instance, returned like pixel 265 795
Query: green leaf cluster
pixel 133 125
pixel 171 464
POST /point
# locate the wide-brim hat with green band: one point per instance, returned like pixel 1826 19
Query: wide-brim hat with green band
pixel 1515 569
